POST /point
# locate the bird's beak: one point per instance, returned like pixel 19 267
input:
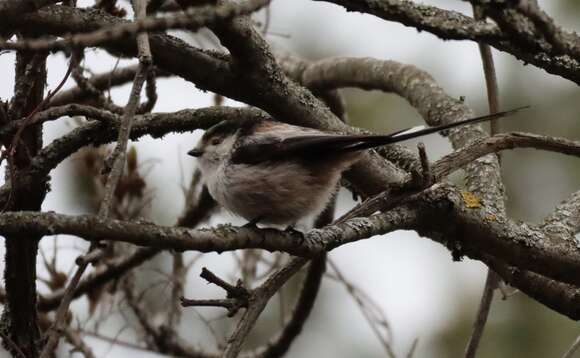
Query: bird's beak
pixel 195 152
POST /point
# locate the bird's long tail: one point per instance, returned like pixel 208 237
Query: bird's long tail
pixel 399 136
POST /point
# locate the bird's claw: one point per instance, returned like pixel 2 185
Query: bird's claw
pixel 292 231
pixel 252 224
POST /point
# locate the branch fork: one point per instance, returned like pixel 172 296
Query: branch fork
pixel 237 296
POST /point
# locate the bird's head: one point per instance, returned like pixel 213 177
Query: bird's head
pixel 217 143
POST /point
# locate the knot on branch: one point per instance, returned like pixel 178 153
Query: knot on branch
pixel 236 296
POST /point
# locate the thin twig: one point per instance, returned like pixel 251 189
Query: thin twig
pixel 100 83
pixel 119 156
pixel 427 177
pixel 258 300
pixel 367 307
pixel 77 342
pixel 413 348
pixel 573 348
pixel 233 291
pixel 237 296
pixel 492 281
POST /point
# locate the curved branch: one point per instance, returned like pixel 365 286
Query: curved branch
pixel 456 26
pixel 423 93
pixel 322 77
pixel 566 217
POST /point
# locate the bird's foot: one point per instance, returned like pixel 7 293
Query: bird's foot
pixel 292 231
pixel 253 224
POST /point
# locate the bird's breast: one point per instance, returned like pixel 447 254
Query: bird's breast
pixel 277 193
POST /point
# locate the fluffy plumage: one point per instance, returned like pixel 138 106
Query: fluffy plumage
pixel 277 173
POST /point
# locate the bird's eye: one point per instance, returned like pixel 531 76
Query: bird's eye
pixel 216 141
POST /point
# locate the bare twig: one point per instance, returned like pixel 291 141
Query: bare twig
pixel 195 211
pixel 497 143
pixel 426 176
pixel 118 159
pixel 280 344
pixel 573 348
pixel 237 296
pixel 259 297
pixel 77 342
pixel 413 348
pixel 113 270
pixel 492 281
pixel 370 310
pixel 237 291
pixel 231 304
pixel 100 83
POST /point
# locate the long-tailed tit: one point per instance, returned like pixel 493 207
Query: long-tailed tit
pixel 276 173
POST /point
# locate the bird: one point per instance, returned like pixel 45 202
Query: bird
pixel 282 175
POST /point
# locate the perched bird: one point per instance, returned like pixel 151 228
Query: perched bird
pixel 278 174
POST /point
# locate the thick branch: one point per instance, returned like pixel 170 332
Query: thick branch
pixel 566 217
pixel 9 8
pixel 193 19
pixel 561 297
pixel 423 93
pixel 467 228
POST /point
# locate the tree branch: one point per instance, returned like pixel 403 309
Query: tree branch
pixel 118 159
pixel 467 227
pixel 192 19
pixel 101 82
pixel 452 25
pixel 565 218
pixel 492 280
pixel 451 162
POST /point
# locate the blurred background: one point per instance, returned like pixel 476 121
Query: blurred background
pixel 425 296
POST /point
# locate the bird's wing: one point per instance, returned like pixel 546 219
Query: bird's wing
pixel 317 145
pixel 308 147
